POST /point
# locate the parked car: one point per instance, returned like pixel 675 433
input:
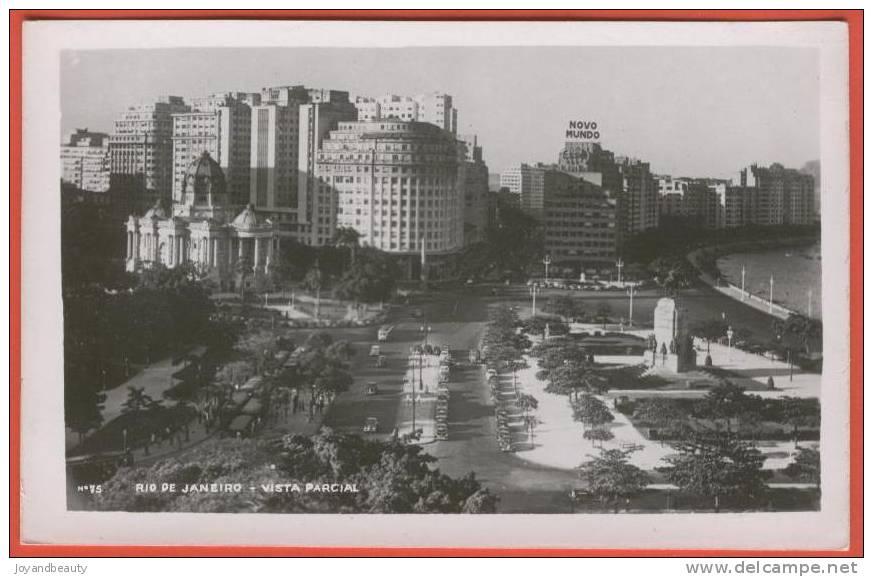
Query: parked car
pixel 375 351
pixel 371 425
pixel 372 389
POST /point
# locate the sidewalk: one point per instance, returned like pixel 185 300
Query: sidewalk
pixel 154 380
pixel 558 440
pixel 420 386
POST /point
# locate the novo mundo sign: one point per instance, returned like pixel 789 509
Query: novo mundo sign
pixel 583 130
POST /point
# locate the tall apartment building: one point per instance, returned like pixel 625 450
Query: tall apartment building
pixel 776 195
pixel 473 176
pixel 628 181
pixel 316 208
pixel 696 201
pixel 435 108
pixel 85 160
pixel 580 223
pixel 141 152
pixel 638 201
pixel 671 196
pixel 396 183
pixel 274 157
pixel 219 124
pixel 527 183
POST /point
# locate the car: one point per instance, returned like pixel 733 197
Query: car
pixel 372 389
pixel 371 425
pixel 380 361
pixel 375 351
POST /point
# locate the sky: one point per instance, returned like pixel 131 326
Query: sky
pixel 688 111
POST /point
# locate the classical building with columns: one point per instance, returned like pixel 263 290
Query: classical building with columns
pixel 227 243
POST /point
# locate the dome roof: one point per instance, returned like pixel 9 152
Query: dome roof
pixel 248 218
pixel 158 211
pixel 203 177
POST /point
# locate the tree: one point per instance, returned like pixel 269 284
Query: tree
pixel 83 412
pixel 659 412
pixel 711 330
pixel 598 435
pixel 797 332
pixel 717 464
pixel 591 411
pixel 323 365
pixel 728 401
pixel 537 325
pixel 603 313
pixel 390 477
pixel 138 401
pixel 672 273
pixel 573 375
pixel 566 307
pixel 347 237
pixel 369 279
pixel 798 413
pixel 611 477
pixel 806 466
pixel 295 260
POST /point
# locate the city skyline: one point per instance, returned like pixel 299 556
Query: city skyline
pixel 747 108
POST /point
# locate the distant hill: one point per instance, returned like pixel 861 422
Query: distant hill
pixel 813 168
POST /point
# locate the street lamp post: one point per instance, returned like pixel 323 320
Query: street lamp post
pixel 730 336
pixel 630 320
pixel 420 370
pixel 533 307
pixel 619 264
pixel 770 307
pixel 743 284
pixel 425 330
pixel 547 260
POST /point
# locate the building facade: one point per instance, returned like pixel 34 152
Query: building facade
pixel 316 206
pixel 527 182
pixel 219 124
pixel 85 160
pixel 395 183
pixel 637 203
pixel 776 195
pixel 628 181
pixel 580 223
pixel 274 157
pixel 695 201
pixel 141 152
pixel 474 180
pixel 434 108
pixel 232 246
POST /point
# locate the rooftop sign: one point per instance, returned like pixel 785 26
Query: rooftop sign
pixel 582 131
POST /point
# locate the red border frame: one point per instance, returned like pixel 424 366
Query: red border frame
pixel 853 18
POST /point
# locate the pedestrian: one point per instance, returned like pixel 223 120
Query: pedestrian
pixel 320 404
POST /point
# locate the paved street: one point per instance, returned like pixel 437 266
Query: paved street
pixel 534 482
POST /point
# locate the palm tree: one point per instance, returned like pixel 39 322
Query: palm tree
pixel 347 237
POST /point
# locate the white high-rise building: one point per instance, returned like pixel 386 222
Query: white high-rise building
pixel 85 160
pixel 220 125
pixel 435 108
pixel 141 152
pixel 396 184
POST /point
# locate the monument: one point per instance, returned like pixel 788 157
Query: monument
pixel 671 346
